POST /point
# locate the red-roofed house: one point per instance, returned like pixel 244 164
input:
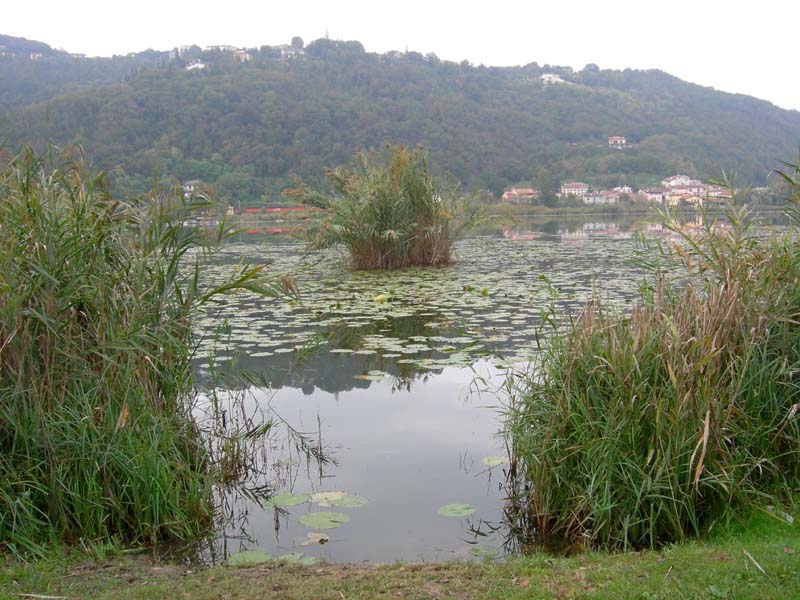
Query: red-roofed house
pixel 655 194
pixel 519 195
pixel 617 141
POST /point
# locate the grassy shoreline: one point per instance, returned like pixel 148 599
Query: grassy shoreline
pixel 757 558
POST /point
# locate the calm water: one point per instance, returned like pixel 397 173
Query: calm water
pixel 395 377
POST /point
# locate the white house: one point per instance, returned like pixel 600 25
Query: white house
pixel 288 52
pixel 677 181
pixel 574 188
pixel 617 141
pixel 220 48
pixel 606 197
pixel 548 78
pixel 195 65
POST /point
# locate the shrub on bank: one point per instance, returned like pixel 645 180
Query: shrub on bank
pixel 388 212
pixel 97 295
pixel 642 429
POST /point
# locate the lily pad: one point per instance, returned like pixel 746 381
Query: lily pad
pixel 248 558
pixel 324 520
pixel 348 501
pixel 456 510
pixel 493 461
pixel 327 496
pixel 288 499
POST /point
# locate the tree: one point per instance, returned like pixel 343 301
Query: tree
pixel 297 42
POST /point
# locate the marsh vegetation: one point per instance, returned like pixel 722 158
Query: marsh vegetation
pixel 98 442
pixel 394 373
pixel 647 427
pixel 388 211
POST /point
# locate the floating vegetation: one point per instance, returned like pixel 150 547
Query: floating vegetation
pixel 429 321
pixel 288 499
pixel 456 510
pixel 349 339
pixel 313 538
pixel 347 501
pixel 324 520
pixel 320 497
pixel 494 461
pixel 338 499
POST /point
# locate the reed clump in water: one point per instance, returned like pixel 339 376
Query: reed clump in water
pixel 388 212
pixel 645 429
pixel 97 295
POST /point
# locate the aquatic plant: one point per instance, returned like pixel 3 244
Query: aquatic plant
pixel 642 429
pixel 97 296
pixel 388 211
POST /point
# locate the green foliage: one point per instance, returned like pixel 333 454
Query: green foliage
pixel 644 429
pixel 97 295
pixel 387 211
pixel 269 119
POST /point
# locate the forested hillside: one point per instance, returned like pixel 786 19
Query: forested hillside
pixel 248 124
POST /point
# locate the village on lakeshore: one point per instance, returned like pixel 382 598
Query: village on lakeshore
pixel 677 190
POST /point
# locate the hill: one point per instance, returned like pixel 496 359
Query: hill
pixel 248 121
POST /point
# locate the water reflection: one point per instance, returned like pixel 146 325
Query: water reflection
pixel 385 376
pixel 406 453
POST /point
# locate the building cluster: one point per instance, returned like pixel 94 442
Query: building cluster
pixel 681 189
pixel 584 191
pixel 11 52
pixel 284 52
pixel 673 191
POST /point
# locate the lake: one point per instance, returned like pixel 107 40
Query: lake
pixel 386 388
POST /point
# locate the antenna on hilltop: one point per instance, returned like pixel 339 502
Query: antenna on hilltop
pixel 327 37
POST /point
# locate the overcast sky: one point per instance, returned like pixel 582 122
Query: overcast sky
pixel 745 47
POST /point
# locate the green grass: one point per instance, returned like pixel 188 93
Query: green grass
pixel 644 429
pixel 388 212
pixel 97 295
pixel 728 565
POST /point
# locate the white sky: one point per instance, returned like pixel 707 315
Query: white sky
pixel 735 46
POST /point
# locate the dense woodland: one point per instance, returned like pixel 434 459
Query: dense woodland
pixel 249 128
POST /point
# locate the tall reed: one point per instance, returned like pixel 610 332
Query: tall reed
pixel 643 429
pixel 388 211
pixel 97 295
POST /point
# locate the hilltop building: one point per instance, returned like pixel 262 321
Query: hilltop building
pixel 550 78
pixel 220 48
pixel 617 141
